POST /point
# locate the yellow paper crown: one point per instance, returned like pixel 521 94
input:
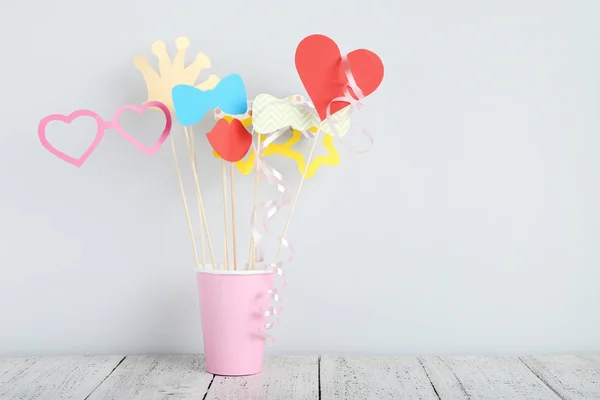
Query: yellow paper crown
pixel 172 73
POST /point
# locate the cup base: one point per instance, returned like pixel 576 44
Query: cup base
pixel 223 373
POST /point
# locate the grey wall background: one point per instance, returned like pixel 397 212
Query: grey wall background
pixel 469 228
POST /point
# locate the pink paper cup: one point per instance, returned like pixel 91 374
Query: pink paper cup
pixel 230 306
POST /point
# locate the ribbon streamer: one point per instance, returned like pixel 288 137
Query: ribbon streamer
pixel 271 207
pixel 274 178
pixel 355 104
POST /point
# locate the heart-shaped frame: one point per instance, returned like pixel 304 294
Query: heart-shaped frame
pixel 68 119
pixel 140 110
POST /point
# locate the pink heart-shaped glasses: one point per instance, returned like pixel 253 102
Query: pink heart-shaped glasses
pixel 102 127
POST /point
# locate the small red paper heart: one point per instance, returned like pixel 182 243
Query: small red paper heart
pixel 231 141
pixel 319 64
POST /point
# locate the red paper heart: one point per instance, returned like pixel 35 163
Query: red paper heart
pixel 319 64
pixel 231 141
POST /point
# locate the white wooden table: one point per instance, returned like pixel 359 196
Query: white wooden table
pixel 303 378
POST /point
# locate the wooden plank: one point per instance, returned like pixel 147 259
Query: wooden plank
pixel 374 378
pixel 484 378
pixel 73 377
pixel 283 378
pixel 572 377
pixel 156 377
pixel 13 366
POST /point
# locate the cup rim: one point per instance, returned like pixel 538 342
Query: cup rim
pixel 231 272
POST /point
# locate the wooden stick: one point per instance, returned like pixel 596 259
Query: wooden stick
pixel 252 255
pixel 287 224
pixel 233 217
pixel 225 222
pixel 201 224
pixel 185 206
pixel 200 202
